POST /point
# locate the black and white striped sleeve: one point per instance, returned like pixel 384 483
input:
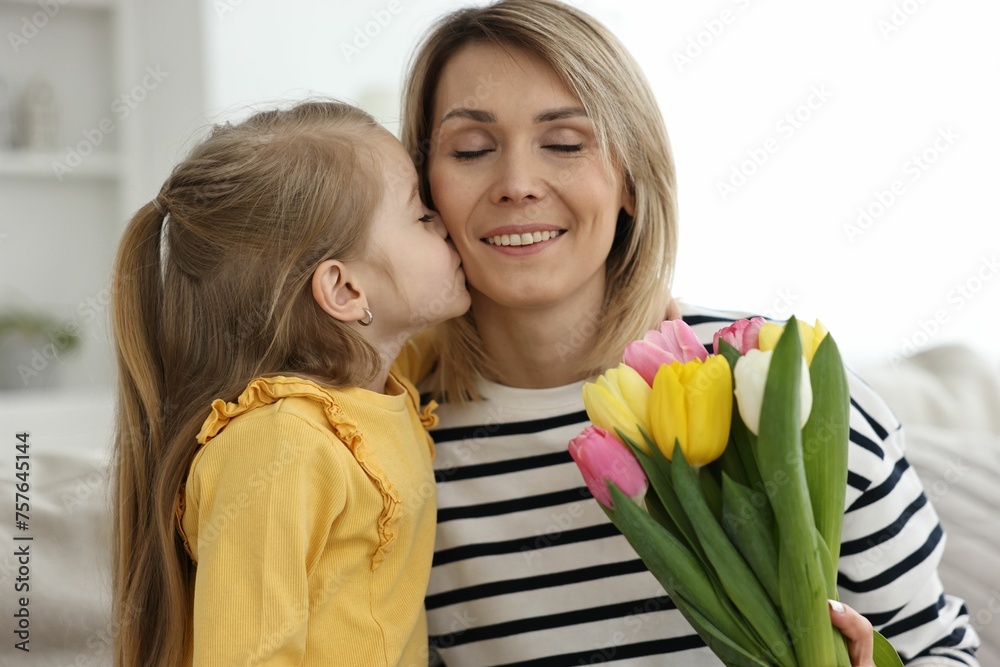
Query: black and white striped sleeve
pixel 893 542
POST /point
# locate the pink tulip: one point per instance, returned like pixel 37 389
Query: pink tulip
pixel 741 334
pixel 673 341
pixel 602 459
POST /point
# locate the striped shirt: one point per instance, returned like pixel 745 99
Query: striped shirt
pixel 529 571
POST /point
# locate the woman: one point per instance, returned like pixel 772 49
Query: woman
pixel 539 142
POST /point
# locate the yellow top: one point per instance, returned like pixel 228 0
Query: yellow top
pixel 309 513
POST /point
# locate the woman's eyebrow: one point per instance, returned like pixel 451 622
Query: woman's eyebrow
pixel 560 114
pixel 546 116
pixel 477 115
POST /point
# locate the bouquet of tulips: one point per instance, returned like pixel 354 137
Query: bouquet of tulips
pixel 727 474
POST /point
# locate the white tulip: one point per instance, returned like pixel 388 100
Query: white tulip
pixel 750 376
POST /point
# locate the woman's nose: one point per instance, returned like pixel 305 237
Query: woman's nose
pixel 518 178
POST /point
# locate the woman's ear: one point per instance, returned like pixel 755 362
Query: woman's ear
pixel 628 199
pixel 334 289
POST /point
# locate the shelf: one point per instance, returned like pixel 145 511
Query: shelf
pixel 33 164
pixel 77 4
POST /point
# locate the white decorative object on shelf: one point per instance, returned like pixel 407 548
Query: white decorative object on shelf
pixel 38 164
pixel 39 118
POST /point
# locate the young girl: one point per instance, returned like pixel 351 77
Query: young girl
pixel 273 487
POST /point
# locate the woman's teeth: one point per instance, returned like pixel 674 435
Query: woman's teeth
pixel 526 238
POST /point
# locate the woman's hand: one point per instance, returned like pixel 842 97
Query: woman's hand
pixel 858 632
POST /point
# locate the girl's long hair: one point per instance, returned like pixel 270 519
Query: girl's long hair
pixel 596 68
pixel 211 289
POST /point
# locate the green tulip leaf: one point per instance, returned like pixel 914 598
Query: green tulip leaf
pixel 730 353
pixel 712 491
pixel 656 510
pixel 674 566
pixel 885 655
pixel 827 561
pixel 658 475
pixel 779 456
pixel 749 523
pixel 730 463
pixel 825 440
pixel 737 577
pixel 722 646
pixel 743 446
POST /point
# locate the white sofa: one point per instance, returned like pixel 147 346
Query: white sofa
pixel 68 600
pixel 949 399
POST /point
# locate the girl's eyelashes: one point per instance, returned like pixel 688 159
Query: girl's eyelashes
pixel 427 217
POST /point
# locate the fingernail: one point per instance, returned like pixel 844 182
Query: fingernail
pixel 836 606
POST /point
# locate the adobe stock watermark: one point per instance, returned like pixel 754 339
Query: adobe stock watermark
pixel 764 491
pixel 899 16
pixel 884 543
pixel 560 522
pixel 363 35
pixel 782 306
pixel 787 126
pixel 60 341
pixel 30 26
pixel 464 452
pixel 634 622
pixel 485 88
pixel 121 107
pixel 912 170
pixel 101 641
pixel 223 7
pixel 95 482
pixel 712 29
pixel 986 615
pixel 961 294
pixel 457 623
pixel 582 334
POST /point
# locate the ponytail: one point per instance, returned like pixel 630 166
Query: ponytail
pixel 149 607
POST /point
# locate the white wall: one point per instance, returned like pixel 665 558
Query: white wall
pixel 895 76
pixel 128 80
pixel 780 242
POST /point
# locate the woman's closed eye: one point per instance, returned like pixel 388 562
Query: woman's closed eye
pixel 471 155
pixel 565 148
pixel 559 148
pixel 427 217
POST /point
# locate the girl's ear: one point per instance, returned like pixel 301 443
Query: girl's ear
pixel 334 288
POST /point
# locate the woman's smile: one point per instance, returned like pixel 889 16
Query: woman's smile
pixel 522 240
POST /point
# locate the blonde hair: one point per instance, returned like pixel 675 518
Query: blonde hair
pixel 211 289
pixel 596 68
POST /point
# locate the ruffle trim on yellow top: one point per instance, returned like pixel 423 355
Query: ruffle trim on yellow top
pixel 265 391
pixel 427 416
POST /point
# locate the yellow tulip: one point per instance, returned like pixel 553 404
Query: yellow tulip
pixel 620 399
pixel 692 404
pixel 811 337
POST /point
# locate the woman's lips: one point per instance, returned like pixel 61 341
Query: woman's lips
pixel 521 239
